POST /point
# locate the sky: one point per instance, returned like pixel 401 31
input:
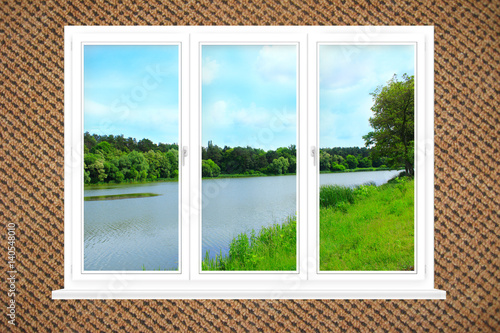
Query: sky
pixel 249 95
pixel 132 90
pixel 348 74
pixel 249 92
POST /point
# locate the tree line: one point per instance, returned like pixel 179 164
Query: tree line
pixel 342 158
pixel 114 158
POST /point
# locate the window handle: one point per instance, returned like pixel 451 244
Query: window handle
pixel 184 155
pixel 313 154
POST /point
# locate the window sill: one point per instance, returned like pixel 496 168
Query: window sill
pixel 255 294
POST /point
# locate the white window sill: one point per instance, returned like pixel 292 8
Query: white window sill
pixel 254 294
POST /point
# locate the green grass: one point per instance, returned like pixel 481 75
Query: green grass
pixel 272 249
pixel 372 232
pixel 335 195
pixel 120 196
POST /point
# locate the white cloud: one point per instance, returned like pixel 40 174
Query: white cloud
pixel 94 108
pixel 210 68
pixel 160 124
pixel 373 65
pixel 278 63
pixel 217 115
pixel 252 116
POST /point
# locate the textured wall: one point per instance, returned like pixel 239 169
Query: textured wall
pixel 467 168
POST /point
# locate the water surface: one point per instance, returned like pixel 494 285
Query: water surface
pixel 128 233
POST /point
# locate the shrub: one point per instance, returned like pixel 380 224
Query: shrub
pixel 337 167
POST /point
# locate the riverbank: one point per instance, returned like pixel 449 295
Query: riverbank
pixel 222 176
pixel 271 249
pixel 365 228
pixel 358 170
pixel 373 230
pixel 244 175
pixel 129 182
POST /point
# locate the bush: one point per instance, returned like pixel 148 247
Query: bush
pixel 209 168
pixel 337 167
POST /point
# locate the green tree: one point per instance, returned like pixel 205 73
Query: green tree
pixel 325 161
pixel 260 160
pixel 279 166
pixel 104 148
pixel 209 168
pixel 146 145
pixel 89 141
pixel 290 153
pixel 214 153
pixel 86 175
pixel 159 165
pixel 352 161
pixel 119 176
pixel 393 123
pixel 138 166
pixel 94 167
pixel 365 162
pixel 337 167
pixel 173 158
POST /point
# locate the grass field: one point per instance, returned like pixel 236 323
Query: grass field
pixel 373 232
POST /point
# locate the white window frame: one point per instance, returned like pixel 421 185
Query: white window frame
pixel 190 282
pixel 197 42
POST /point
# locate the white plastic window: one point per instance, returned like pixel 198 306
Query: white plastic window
pixel 258 101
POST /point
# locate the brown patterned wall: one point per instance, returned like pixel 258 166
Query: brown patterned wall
pixel 466 180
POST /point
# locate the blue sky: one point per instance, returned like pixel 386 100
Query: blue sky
pixel 348 74
pixel 132 90
pixel 249 95
pixel 249 92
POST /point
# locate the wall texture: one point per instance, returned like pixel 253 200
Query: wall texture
pixel 466 180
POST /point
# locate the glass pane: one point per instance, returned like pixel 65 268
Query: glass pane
pixel 366 97
pixel 131 125
pixel 249 158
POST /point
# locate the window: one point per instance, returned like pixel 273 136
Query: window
pixel 206 162
pixel 131 89
pixel 257 118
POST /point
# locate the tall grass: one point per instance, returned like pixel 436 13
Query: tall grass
pixel 333 195
pixel 374 234
pixel 271 249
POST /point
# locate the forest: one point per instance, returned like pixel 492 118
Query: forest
pixel 116 159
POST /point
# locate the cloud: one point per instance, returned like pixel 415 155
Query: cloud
pixel 252 116
pixel 160 123
pixel 94 108
pixel 210 69
pixel 348 74
pixel 278 63
pixel 343 129
pixel 216 115
pixel 348 65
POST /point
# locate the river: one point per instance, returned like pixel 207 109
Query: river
pixel 128 234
